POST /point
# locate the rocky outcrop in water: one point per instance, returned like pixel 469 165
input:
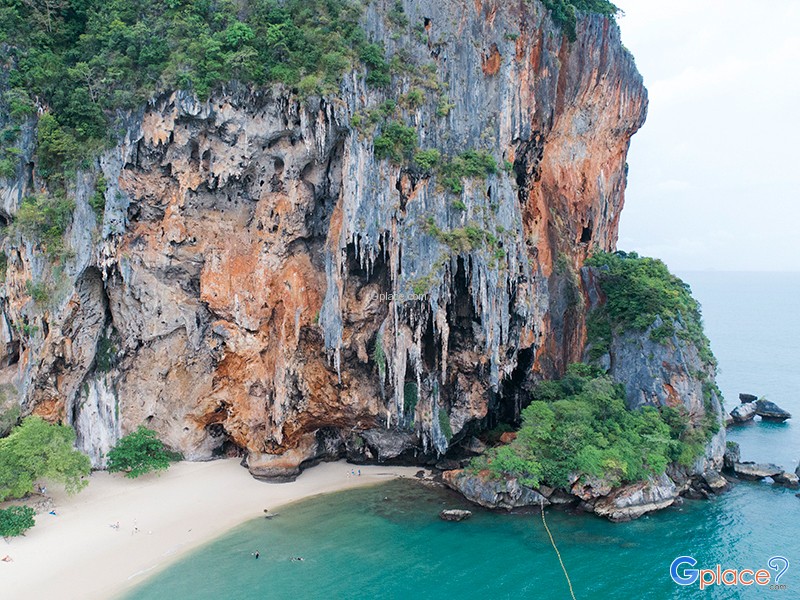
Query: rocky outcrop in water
pixel 633 501
pixel 754 471
pixel 454 514
pixel 786 479
pixel 492 492
pixel 744 412
pixel 259 282
pixel 769 411
pixel 732 455
pixel 605 499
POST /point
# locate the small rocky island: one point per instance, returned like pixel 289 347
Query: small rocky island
pixel 751 406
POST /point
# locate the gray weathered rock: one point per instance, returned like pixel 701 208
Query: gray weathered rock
pixel 716 482
pixel 633 501
pixel 589 488
pixel 786 479
pixel 754 471
pixel 747 398
pixel 732 455
pixel 771 412
pixel 454 514
pixel 491 492
pixel 744 412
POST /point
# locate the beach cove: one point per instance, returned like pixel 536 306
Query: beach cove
pixel 76 554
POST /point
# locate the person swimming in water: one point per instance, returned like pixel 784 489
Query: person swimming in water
pixel 256 554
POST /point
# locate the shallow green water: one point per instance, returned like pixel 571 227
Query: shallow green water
pixel 357 544
pixel 387 541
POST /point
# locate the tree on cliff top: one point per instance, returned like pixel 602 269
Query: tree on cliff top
pixel 84 60
pixel 138 453
pixel 38 449
pixel 639 290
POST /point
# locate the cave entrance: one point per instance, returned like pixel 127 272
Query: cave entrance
pixel 586 233
pixel 514 393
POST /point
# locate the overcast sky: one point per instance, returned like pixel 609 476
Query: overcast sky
pixel 715 171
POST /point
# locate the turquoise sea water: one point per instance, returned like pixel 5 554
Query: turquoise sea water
pixel 387 541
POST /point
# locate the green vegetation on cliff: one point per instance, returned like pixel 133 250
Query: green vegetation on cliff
pixel 638 291
pixel 38 449
pixel 477 164
pixel 84 60
pixel 580 425
pixel 138 453
pixel 45 219
pixel 564 12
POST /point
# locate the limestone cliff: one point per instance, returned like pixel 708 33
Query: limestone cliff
pixel 260 282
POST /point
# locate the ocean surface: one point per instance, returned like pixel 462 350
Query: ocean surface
pixel 388 542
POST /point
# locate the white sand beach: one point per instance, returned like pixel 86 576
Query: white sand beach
pixel 77 555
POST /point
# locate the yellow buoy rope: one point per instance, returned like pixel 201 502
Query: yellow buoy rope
pixel 558 554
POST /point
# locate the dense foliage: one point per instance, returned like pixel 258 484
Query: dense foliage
pixel 84 59
pixel 638 291
pixel 564 12
pixel 138 453
pixel 38 449
pixel 16 520
pixel 396 142
pixel 580 425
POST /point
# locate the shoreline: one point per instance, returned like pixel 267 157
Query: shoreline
pixel 77 554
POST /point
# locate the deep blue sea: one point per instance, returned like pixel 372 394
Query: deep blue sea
pixel 388 542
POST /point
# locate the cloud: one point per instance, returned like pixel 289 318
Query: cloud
pixel 713 174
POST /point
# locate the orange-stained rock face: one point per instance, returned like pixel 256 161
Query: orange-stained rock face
pixel 491 61
pixel 263 284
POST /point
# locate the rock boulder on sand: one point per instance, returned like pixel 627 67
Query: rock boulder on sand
pixel 771 412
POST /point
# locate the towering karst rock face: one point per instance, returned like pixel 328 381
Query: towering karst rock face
pixel 260 280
